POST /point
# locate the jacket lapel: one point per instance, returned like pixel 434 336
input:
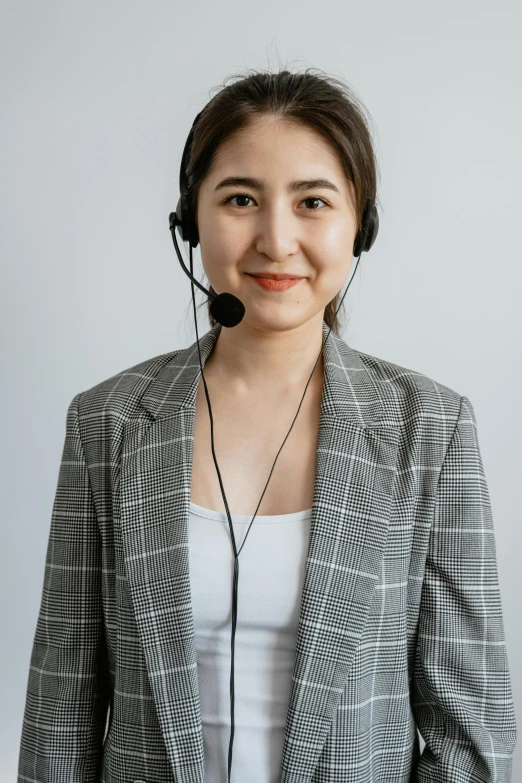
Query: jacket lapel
pixel 355 471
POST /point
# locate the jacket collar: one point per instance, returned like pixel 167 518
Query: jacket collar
pixel 349 391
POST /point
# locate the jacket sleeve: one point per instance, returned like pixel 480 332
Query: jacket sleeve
pixel 67 690
pixel 461 690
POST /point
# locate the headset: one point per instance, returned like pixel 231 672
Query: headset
pixel 228 310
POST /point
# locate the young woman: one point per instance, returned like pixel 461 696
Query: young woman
pixel 367 607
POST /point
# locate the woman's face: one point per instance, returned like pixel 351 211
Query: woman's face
pixel 276 221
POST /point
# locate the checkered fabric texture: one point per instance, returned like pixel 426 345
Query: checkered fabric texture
pixel 400 624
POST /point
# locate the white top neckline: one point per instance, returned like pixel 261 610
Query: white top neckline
pixel 241 519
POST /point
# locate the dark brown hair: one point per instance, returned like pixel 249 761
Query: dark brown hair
pixel 321 102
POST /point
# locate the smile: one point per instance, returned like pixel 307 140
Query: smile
pixel 276 285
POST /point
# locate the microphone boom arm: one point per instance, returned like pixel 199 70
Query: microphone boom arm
pixel 172 224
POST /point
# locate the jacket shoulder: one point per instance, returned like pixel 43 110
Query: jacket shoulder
pixel 405 391
pixel 120 394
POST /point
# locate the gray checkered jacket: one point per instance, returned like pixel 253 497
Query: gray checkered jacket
pixel 400 624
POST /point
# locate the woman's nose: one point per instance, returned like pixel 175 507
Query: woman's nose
pixel 277 235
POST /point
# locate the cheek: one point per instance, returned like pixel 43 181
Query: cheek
pixel 223 240
pixel 220 262
pixel 338 238
pixel 336 255
pixel 332 255
pixel 331 280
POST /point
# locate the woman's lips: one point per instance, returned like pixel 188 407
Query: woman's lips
pixel 276 285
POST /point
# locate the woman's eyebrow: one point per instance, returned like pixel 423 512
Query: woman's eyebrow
pixel 258 184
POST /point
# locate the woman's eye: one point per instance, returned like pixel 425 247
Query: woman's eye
pixel 315 198
pixel 239 195
pixel 244 196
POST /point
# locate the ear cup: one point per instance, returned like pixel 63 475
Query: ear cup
pixel 186 222
pixel 368 231
pixel 186 219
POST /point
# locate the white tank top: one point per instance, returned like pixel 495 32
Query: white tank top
pixel 271 576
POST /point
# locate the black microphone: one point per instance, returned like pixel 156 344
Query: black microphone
pixel 226 308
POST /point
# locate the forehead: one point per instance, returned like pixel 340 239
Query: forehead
pixel 270 140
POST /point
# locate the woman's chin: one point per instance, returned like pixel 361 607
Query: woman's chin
pixel 275 318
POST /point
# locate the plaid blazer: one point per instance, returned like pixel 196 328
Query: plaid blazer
pixel 400 624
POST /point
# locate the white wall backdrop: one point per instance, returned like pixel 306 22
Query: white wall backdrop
pixel 97 100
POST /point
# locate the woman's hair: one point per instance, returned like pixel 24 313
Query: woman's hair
pixel 321 102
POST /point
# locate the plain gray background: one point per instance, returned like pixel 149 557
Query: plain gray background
pixel 97 101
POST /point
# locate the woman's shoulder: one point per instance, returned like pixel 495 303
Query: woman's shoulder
pixel 401 377
pixel 119 394
pixel 406 392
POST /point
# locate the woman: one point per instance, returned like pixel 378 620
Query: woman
pixel 368 601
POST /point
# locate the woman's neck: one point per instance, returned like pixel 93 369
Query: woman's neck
pixel 251 360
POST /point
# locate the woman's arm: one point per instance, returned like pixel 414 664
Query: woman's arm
pixel 67 690
pixel 461 691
